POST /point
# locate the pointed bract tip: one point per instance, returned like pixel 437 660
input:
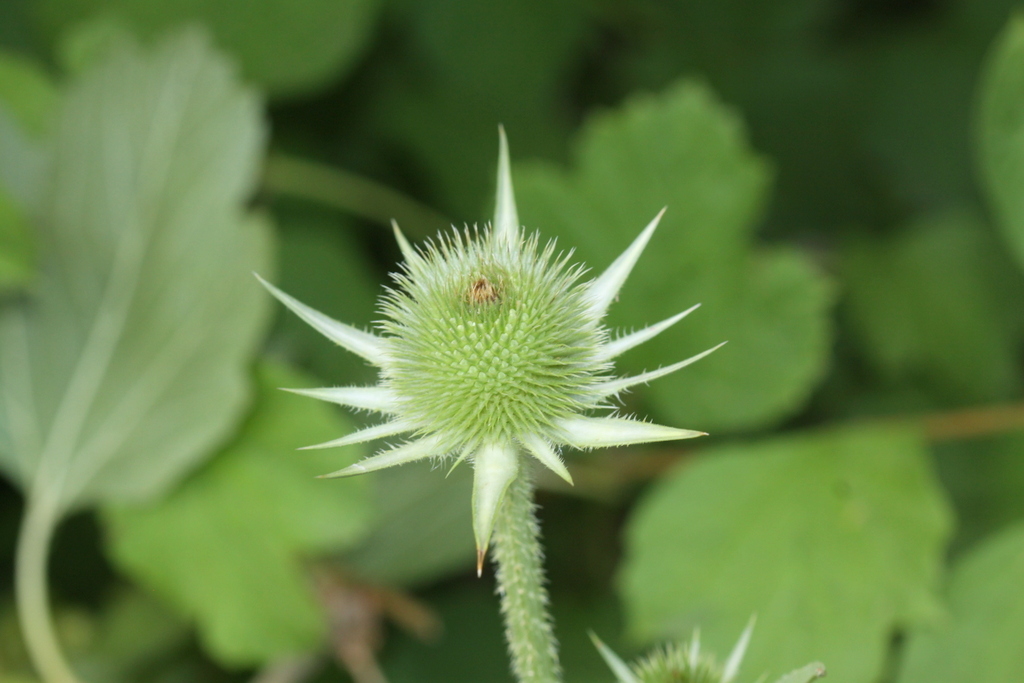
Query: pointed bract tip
pixel 732 664
pixel 495 466
pixel 349 471
pixel 458 461
pixel 605 288
pixel 506 217
pixel 614 662
pixel 480 556
pixel 408 253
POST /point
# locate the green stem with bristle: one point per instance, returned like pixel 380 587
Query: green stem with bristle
pixel 521 584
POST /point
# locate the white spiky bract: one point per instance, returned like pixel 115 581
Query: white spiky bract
pixel 492 350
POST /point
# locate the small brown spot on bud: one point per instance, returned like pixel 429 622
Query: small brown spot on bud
pixel 482 291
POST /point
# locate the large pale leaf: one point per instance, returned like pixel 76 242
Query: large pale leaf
pixel 289 47
pixel 228 547
pixel 833 539
pixel 981 641
pixel 128 362
pixel 1001 134
pixel 685 150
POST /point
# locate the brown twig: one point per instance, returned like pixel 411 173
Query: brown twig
pixel 606 475
pixel 970 423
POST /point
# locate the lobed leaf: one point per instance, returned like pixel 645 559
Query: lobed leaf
pixel 981 639
pixel 937 306
pixel 833 539
pixel 684 149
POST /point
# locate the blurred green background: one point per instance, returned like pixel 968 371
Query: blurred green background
pixel 845 192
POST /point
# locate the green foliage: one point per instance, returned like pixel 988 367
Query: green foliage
pixel 980 640
pixel 415 506
pixel 288 47
pixel 245 525
pixel 1001 133
pixel 937 305
pixel 984 478
pixel 26 93
pixel 879 157
pixel 27 103
pixel 129 362
pixel 833 538
pixel 461 68
pixel 16 258
pixel 683 149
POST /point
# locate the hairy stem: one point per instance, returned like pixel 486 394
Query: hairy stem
pixel 41 517
pixel 521 585
pixel 350 193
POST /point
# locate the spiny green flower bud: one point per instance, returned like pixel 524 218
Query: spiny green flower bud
pixel 686 663
pixel 492 350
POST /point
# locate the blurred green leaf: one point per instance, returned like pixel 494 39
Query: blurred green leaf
pixel 456 70
pixel 16 25
pixel 27 93
pixel 124 641
pixel 1001 133
pixel 133 632
pixel 935 305
pixel 985 480
pixel 423 529
pixel 684 149
pixel 981 640
pixel 833 539
pixel 22 163
pixel 129 364
pixel 289 47
pixel 16 258
pixel 27 104
pixel 471 649
pixel 916 88
pixel 227 548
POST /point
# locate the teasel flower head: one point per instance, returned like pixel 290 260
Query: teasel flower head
pixel 688 663
pixel 493 350
pixel 678 663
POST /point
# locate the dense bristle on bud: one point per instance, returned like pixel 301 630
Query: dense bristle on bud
pixel 677 664
pixel 490 339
